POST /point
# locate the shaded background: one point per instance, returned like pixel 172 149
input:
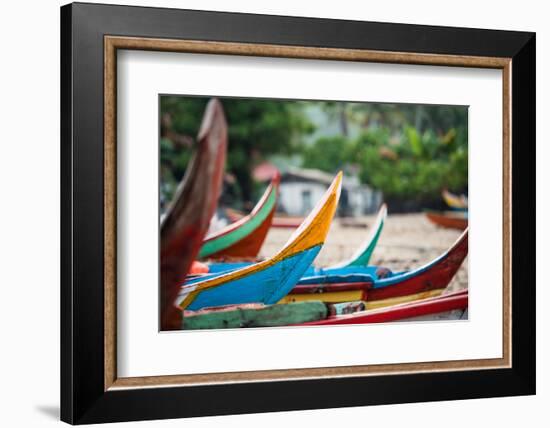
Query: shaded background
pixel 406 153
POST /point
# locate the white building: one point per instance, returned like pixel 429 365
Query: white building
pixel 301 189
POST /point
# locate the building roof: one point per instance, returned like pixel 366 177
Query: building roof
pixel 308 175
pixel 264 171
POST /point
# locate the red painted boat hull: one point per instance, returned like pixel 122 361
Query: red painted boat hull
pixel 248 247
pixel 244 243
pixel 448 302
pixel 435 277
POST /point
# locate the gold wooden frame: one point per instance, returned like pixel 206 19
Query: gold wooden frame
pixel 113 43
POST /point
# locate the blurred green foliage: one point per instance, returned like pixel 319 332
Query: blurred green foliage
pixel 413 165
pixel 256 128
pixel 327 153
pixel 409 152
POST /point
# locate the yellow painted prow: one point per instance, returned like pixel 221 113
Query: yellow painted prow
pixel 314 229
pixel 312 232
pixel 454 201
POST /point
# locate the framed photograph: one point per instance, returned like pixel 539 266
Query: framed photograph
pixel 266 213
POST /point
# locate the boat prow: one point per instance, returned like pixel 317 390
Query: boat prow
pixel 365 283
pixel 454 201
pixel 244 238
pixel 270 280
pixel 184 226
pixel 363 254
pixel 435 275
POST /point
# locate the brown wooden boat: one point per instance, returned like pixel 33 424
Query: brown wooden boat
pixel 448 219
pixel 188 216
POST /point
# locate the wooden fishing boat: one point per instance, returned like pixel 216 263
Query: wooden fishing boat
pixel 442 307
pixel 184 226
pixel 448 219
pixel 349 292
pixel 361 257
pixel 363 254
pixel 245 237
pixel 280 221
pixel 448 306
pixel 260 315
pixel 380 287
pixel 270 280
pixel 454 201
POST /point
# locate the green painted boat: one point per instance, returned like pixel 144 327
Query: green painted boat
pixel 361 257
pixel 244 238
pixel 254 315
pixel 363 254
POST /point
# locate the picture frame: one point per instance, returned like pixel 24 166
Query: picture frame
pixel 91 35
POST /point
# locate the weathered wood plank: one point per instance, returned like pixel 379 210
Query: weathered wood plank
pixel 253 316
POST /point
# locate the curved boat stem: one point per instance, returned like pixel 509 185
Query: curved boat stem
pixel 267 281
pixel 245 237
pixel 185 224
pixel 363 254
